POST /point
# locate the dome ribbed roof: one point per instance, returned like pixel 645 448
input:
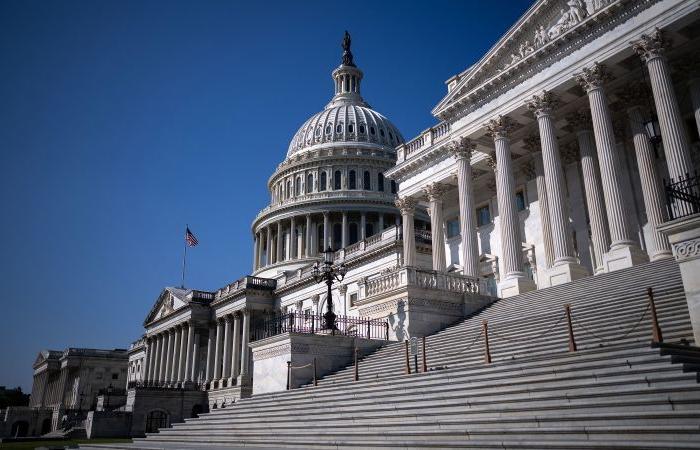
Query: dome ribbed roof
pixel 345 124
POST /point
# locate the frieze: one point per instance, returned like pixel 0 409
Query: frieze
pixel 687 249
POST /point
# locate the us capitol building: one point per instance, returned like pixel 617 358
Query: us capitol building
pixel 547 164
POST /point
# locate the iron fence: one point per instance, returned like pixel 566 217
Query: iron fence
pixel 683 196
pixel 307 323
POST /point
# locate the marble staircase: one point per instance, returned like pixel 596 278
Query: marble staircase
pixel 617 391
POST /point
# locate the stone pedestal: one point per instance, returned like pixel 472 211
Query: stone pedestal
pixel 684 236
pixel 565 273
pixel 514 286
pixel 623 257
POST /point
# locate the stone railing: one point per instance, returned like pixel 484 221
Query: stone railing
pixel 424 140
pixel 201 296
pixel 247 282
pixel 342 194
pixel 424 236
pixel 420 278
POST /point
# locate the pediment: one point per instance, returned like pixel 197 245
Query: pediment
pixel 170 300
pixel 540 29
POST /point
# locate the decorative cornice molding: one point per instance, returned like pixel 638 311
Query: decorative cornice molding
pixel 687 249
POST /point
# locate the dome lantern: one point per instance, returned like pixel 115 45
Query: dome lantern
pixel 347 78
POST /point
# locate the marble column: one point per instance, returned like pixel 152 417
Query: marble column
pixel 261 249
pixel 307 247
pixel 226 371
pixel 147 362
pixel 280 243
pixel 243 378
pixel 195 356
pixel 694 88
pixel 435 193
pixel 188 355
pixel 292 239
pixel 344 231
pixel 163 357
pixel 177 335
pixel 651 48
pixel 268 253
pixel 217 350
pixel 566 267
pixel 363 226
pixel 532 143
pixel 155 375
pixel 657 244
pixel 183 350
pixel 600 235
pixel 624 252
pixel 407 206
pixel 380 224
pixel 469 252
pixel 211 338
pixel 236 354
pixel 326 231
pixel 513 281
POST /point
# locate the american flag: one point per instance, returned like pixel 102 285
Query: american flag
pixel 190 239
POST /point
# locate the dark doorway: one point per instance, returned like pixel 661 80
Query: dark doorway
pixel 46 426
pixel 19 428
pixel 155 421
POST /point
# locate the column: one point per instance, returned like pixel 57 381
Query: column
pixel 243 377
pixel 180 378
pixel 380 224
pixel 280 243
pixel 256 241
pixel 513 279
pixel 261 249
pixel 407 206
pixel 155 372
pixel 268 253
pixel 469 253
pixel 344 232
pixel 694 88
pixel 292 239
pixel 147 362
pixel 226 371
pixel 195 355
pixel 566 267
pixel 211 337
pixel 188 357
pixel 177 334
pixel 326 231
pixel 309 228
pixel 164 357
pixel 236 354
pixel 435 193
pixel 651 48
pixel 217 350
pixel 532 143
pixel 363 226
pixel 623 252
pixel 581 122
pixel 658 246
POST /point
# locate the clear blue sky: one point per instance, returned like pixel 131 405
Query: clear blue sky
pixel 122 121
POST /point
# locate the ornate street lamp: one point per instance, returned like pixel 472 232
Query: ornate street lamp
pixel 651 126
pixel 328 273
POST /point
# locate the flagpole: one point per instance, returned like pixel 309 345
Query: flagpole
pixel 184 256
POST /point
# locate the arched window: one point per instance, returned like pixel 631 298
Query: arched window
pixel 393 187
pixel 352 181
pixel 328 129
pixel 380 182
pixel 336 180
pixel 337 236
pixel 366 181
pixel 339 128
pixel 289 189
pixel 297 188
pixel 362 128
pixel 353 233
pixel 381 131
pixel 351 128
pixel 309 183
pixel 322 184
pixel 371 131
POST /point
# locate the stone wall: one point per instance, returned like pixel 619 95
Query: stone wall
pixel 108 424
pixel 177 404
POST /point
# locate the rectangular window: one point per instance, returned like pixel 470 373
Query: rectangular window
pixel 452 228
pixel 307 313
pixel 353 299
pixel 483 216
pixel 520 201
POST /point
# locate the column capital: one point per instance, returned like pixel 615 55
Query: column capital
pixel 593 77
pixel 342 289
pixel 435 191
pixel 580 120
pixel 228 318
pixel 407 205
pixel 298 305
pixel 652 45
pixel 462 148
pixel 326 214
pixel 499 127
pixel 542 104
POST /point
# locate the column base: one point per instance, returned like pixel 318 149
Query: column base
pixel 623 257
pixel 515 285
pixel 565 272
pixel 661 254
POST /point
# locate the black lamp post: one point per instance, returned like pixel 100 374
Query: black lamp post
pixel 653 130
pixel 328 273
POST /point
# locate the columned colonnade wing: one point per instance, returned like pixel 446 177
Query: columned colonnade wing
pixel 171 355
pixel 614 243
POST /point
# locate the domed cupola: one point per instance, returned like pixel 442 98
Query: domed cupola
pixel 330 190
pixel 347 117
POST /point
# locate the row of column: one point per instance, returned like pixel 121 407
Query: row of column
pixel 269 243
pixel 228 356
pixel 171 356
pixel 613 242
